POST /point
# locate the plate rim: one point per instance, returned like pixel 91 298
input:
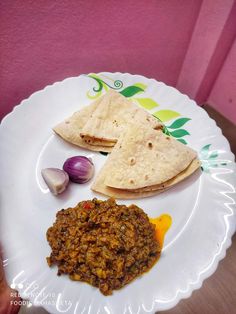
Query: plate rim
pixel 232 228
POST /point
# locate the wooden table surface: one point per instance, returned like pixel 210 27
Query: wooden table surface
pixel 218 293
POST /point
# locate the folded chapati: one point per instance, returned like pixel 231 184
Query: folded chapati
pixel 147 157
pixel 100 187
pixel 145 162
pixel 70 128
pixel 112 116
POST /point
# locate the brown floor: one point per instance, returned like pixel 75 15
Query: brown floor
pixel 218 293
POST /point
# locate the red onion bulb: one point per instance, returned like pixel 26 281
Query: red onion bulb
pixel 79 168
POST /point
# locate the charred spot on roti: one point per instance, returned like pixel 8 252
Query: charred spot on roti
pixel 101 186
pixel 104 120
pixel 116 123
pixel 132 160
pixel 155 156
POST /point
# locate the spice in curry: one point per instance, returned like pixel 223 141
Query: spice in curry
pixel 102 243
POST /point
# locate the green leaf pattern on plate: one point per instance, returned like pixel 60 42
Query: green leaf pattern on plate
pixel 166 115
pixel 162 115
pixel 175 129
pixel 131 91
pixel 178 123
pixel 208 158
pixel 146 103
pixel 182 140
pixel 141 85
pixel 101 84
pixel 179 133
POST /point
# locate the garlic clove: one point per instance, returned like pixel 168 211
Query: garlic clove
pixel 56 179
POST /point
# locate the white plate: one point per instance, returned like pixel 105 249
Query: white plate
pixel 201 207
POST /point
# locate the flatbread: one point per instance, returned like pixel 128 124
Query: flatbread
pixel 152 160
pixel 99 186
pixel 194 165
pixel 111 118
pixel 70 128
pixel 145 157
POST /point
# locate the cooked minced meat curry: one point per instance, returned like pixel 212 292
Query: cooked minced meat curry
pixel 102 243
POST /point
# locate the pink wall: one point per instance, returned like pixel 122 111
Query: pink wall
pixel 208 71
pixel 45 41
pixel 223 94
pixel 207 32
pixel 183 43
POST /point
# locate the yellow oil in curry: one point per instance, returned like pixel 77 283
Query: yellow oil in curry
pixel 163 224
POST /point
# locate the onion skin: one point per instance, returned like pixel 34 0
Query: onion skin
pixel 79 168
pixel 56 179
